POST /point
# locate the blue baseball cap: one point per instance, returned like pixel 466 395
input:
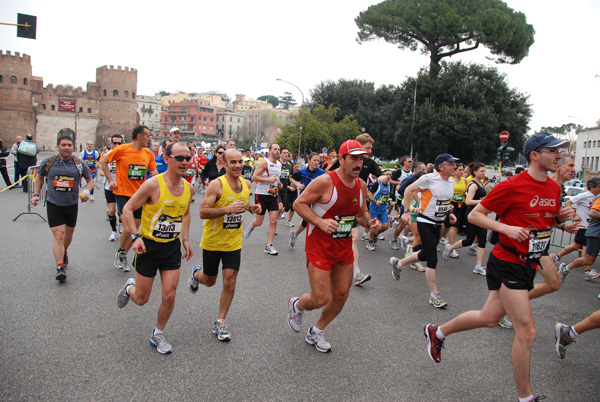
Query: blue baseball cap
pixel 441 158
pixel 539 140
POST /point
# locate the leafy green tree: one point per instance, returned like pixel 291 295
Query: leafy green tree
pixel 462 112
pixel 286 100
pixel 163 93
pixel 443 28
pixel 320 128
pixel 273 100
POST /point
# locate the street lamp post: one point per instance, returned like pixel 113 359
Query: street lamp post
pixel 301 106
pixel 587 145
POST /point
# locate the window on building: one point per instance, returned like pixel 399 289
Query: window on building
pixel 1 78
pixel 24 81
pixel 52 107
pixel 44 106
pixel 192 119
pixel 133 95
pixel 203 127
pixel 104 92
pixel 173 118
pixel 230 118
pixel 80 110
pixel 13 79
pixel 212 128
pixel 212 119
pixel 89 110
pixel 115 92
pixel 204 118
pixel 238 120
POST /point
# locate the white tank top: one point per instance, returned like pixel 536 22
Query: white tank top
pixel 272 169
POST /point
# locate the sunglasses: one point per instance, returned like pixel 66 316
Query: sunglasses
pixel 220 153
pixel 117 143
pixel 180 158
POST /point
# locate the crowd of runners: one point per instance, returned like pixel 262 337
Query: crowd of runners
pixel 420 207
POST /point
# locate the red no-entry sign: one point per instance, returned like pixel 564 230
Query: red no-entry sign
pixel 504 136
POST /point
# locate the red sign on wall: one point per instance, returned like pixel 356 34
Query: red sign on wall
pixel 66 105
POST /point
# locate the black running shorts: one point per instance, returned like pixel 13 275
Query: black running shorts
pixel 61 215
pixel 158 256
pixel 211 260
pixel 513 276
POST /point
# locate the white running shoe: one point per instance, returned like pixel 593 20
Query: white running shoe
pixel 294 315
pixel 364 237
pixel 361 278
pixel 248 231
pixel 454 254
pixel 269 249
pixel 394 244
pixel 289 223
pixel 120 228
pixel 591 274
pixel 473 249
pixel 293 238
pixel 312 338
pixel 479 270
pixel 113 236
pixel 396 268
pixel 446 252
pixel 437 301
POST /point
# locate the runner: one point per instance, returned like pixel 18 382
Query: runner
pixel 436 193
pixel 459 209
pixel 292 195
pixel 475 193
pixel 528 205
pixel 565 335
pixel 583 203
pixel 165 201
pixel 266 175
pixel 90 157
pixel 379 194
pixel 63 173
pixel 325 205
pixel 286 171
pixel 223 206
pixel 111 200
pixel 132 162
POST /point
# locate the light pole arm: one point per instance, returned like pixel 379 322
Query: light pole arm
pixel 302 106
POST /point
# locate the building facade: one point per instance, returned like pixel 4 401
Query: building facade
pixel 150 108
pixel 587 154
pixel 107 106
pixel 193 118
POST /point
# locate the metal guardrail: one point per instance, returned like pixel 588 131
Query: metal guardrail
pixel 31 173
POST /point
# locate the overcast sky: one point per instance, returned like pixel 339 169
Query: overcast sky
pixel 236 46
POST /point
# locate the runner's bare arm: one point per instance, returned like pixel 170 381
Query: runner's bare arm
pixel 185 230
pixel 479 217
pixel 104 165
pixel 256 208
pixel 214 191
pixel 144 194
pixel 320 189
pixel 37 187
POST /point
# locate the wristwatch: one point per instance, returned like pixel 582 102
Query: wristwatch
pixel 134 236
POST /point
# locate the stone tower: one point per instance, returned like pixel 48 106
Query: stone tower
pixel 117 91
pixel 16 97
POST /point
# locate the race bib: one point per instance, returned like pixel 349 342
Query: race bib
pixel 539 240
pixel 383 198
pixel 233 221
pixel 112 167
pixel 248 175
pixel 63 183
pixel 167 227
pixel 90 162
pixel 285 174
pixel 273 189
pixel 441 208
pixel 344 230
pixel 190 172
pixel 457 198
pixel 136 172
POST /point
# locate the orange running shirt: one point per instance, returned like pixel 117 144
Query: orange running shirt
pixel 131 168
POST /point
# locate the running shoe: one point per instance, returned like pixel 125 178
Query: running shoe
pixel 446 252
pixel 121 261
pixel 269 249
pixel 555 259
pixel 380 237
pixel 370 246
pixel 122 296
pixel 120 228
pixel 435 345
pixel 365 236
pixel 61 275
pixel 312 338
pixel 193 282
pixel 294 316
pixel 454 254
pixel 404 242
pixel 563 271
pixel 113 236
pixel 394 244
pixel 563 339
pixel 591 274
pixel 282 216
pixel 221 331
pixel 396 268
pixel 443 241
pixel 437 248
pixel 479 270
pixel 409 250
pixel 293 238
pixel 505 323
pixel 160 343
pixel 417 266
pixel 473 249
pixel 289 223
pixel 437 301
pixel 91 198
pixel 65 260
pixel 361 278
pixel 248 231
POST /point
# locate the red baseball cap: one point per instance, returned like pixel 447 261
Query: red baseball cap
pixel 352 147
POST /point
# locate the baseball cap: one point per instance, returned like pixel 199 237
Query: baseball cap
pixel 542 140
pixel 174 129
pixel 352 147
pixel 441 158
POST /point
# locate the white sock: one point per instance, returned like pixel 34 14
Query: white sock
pixel 157 331
pixel 356 271
pixel 526 399
pixel 440 334
pixel 572 333
pixel 317 330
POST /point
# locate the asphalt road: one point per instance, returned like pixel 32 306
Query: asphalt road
pixel 70 342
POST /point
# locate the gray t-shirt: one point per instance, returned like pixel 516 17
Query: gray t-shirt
pixel 63 181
